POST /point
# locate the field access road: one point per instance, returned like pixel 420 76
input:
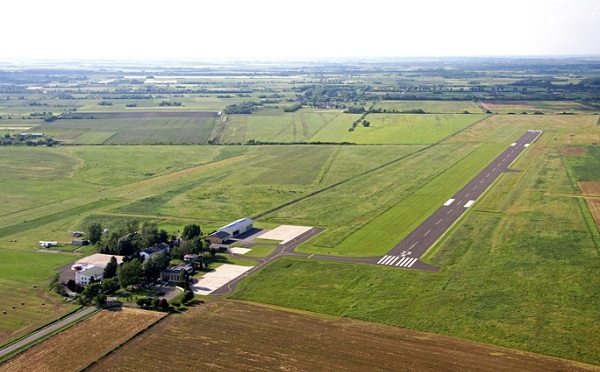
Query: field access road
pixel 406 254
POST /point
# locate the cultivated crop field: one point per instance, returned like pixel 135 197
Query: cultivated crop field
pixel 135 127
pixel 82 344
pixel 276 126
pixel 244 336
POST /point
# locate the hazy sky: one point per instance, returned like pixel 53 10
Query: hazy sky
pixel 251 29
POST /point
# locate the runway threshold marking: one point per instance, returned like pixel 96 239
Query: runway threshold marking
pixel 469 203
pixel 450 201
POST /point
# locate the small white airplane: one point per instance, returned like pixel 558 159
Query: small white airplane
pixel 47 244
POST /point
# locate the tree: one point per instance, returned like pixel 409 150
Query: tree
pixel 110 271
pixel 184 278
pixel 94 232
pixel 191 231
pixel 163 236
pixel 149 234
pixel 188 295
pixel 164 304
pixel 101 298
pixel 129 273
pixel 90 291
pixel 155 264
pixel 55 284
pixel 110 286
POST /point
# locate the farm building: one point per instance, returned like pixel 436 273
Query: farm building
pixel 155 249
pixel 218 237
pixel 173 273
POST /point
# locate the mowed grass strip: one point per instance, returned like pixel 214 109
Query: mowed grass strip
pixel 410 128
pixel 384 232
pixel 82 344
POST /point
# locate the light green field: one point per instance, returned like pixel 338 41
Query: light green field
pixel 562 129
pixel 410 128
pixel 432 107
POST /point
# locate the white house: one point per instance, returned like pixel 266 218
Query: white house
pixel 85 276
pixel 155 249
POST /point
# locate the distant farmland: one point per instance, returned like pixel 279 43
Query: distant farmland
pixel 120 128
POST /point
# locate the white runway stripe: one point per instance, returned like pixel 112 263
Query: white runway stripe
pixel 402 261
pixel 382 258
pixel 399 261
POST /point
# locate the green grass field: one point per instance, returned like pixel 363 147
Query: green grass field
pixel 410 128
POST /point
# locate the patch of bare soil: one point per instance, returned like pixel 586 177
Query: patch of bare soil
pixel 572 151
pixel 238 336
pixel 589 187
pixel 594 205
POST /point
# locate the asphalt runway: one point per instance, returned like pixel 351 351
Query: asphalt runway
pixel 406 254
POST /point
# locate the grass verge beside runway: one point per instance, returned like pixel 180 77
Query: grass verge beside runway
pixel 397 222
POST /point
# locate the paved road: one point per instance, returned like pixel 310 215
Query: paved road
pixel 44 332
pixel 407 252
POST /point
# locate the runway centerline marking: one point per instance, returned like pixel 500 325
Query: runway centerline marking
pixel 437 223
pixel 428 231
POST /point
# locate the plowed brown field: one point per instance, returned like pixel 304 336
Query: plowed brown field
pixel 590 187
pixel 78 346
pixel 237 336
pixel 594 205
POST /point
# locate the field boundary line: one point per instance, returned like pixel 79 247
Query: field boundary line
pixel 327 165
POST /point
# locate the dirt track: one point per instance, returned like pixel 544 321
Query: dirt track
pixel 232 335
